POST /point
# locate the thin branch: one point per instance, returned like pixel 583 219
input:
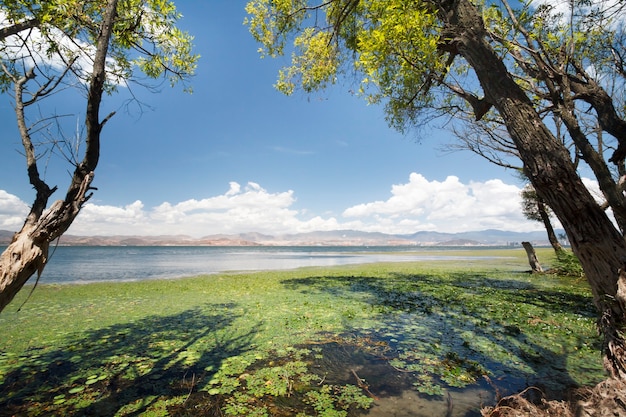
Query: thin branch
pixel 479 105
pixel 48 87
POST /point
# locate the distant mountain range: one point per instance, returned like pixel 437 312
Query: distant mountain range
pixel 331 238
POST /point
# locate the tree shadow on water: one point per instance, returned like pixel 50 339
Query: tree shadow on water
pixel 125 366
pixel 506 327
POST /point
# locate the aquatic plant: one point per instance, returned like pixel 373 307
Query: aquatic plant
pixel 309 341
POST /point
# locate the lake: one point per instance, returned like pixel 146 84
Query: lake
pixel 84 264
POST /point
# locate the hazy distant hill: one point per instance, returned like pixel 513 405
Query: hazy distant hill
pixel 483 237
pixel 5 237
pixel 326 238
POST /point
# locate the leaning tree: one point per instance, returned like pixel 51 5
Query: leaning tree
pixel 535 209
pixel 424 58
pixel 94 48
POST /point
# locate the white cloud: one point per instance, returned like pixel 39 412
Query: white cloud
pixel 447 206
pixel 240 209
pixel 13 211
pixel 32 48
pixel 594 189
pixel 110 220
pixel 419 204
pixel 563 8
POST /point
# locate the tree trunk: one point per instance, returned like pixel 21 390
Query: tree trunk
pixel 19 261
pixel 599 246
pixel 545 218
pixel 28 251
pixel 535 266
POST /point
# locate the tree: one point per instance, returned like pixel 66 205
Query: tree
pixel 93 46
pixel 535 209
pixel 535 266
pixel 426 58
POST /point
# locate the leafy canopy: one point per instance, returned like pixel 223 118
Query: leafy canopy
pixel 392 45
pixel 401 55
pixel 62 33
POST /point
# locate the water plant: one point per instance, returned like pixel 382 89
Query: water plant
pixel 282 385
pixel 311 342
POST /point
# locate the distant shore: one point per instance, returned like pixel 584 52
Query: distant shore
pixel 324 238
pixel 85 264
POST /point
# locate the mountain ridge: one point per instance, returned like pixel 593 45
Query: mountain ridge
pixel 488 237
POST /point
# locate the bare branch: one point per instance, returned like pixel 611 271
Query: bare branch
pixel 479 105
pixel 50 86
pixel 42 189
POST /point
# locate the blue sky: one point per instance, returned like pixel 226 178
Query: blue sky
pixel 237 156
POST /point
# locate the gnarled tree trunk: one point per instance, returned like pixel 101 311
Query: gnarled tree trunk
pixel 595 241
pixel 28 251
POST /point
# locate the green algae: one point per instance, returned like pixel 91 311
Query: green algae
pixel 222 342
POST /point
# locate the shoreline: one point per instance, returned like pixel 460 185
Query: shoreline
pixel 81 265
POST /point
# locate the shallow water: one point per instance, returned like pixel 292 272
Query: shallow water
pixel 466 403
pixel 393 391
pixel 79 264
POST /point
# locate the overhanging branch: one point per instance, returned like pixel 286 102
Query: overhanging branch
pixel 16 28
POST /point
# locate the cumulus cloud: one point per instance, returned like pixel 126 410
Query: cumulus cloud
pixel 444 206
pixel 249 208
pixel 32 48
pixel 111 220
pixel 419 204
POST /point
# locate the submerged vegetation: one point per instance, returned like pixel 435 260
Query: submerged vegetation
pixel 311 342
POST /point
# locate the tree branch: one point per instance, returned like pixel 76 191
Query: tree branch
pixel 16 28
pixel 43 191
pixel 480 106
pixel 48 87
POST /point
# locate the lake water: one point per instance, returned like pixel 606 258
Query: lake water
pixel 78 264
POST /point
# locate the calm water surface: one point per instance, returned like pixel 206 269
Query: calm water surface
pixel 78 264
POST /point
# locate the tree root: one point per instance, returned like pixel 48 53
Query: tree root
pixel 607 399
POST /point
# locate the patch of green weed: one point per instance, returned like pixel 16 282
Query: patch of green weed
pixel 235 341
